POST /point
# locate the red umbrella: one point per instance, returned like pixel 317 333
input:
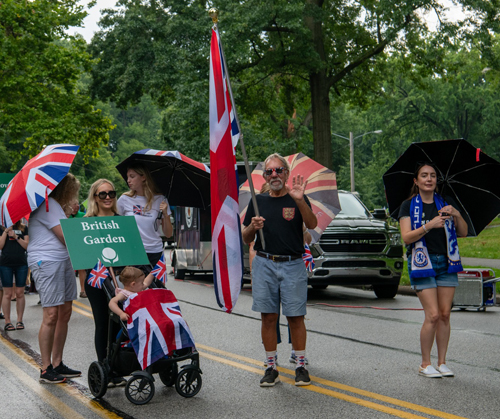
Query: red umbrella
pixel 321 189
pixel 35 181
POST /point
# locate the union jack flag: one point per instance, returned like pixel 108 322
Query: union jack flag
pixel 97 275
pixel 35 181
pixel 227 249
pixel 160 269
pixel 308 259
pixel 155 326
pixel 137 210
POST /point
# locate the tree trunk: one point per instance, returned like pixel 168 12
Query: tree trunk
pixel 320 87
pixel 320 101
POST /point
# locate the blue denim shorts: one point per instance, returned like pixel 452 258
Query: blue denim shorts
pixel 442 278
pixel 275 282
pixel 7 274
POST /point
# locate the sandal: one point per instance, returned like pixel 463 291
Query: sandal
pixel 9 327
pixel 19 326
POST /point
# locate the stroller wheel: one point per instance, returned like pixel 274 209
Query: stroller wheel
pixel 168 376
pixel 140 389
pixel 188 382
pixel 97 379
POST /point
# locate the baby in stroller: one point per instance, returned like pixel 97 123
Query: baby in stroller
pixel 160 338
pixel 133 280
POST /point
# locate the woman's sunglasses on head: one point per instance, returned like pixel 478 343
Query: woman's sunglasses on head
pixel 103 194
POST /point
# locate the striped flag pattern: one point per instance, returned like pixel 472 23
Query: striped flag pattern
pixel 97 275
pixel 227 252
pixel 160 269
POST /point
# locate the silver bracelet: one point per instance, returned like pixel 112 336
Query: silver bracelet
pixel 425 230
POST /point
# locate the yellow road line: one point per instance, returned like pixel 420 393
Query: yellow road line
pixel 386 399
pixel 81 305
pixel 312 387
pixel 375 396
pixel 63 409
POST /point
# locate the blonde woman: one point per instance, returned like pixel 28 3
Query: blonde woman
pixel 101 202
pixel 54 276
pixel 150 209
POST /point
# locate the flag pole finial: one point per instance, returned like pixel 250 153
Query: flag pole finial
pixel 214 14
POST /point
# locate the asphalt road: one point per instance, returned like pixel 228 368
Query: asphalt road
pixel 363 353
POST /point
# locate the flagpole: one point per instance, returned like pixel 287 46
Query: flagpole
pixel 112 272
pixel 214 14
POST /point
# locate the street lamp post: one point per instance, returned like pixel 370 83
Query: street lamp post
pixel 351 151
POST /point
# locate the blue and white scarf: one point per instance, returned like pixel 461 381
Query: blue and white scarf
pixel 421 266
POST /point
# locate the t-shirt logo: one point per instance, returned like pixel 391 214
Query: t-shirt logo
pixel 288 213
pixel 138 210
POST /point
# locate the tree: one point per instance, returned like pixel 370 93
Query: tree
pixel 40 99
pixel 338 48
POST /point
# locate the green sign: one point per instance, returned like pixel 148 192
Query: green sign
pixel 114 240
pixel 5 178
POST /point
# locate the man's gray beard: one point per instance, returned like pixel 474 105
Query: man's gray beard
pixel 276 188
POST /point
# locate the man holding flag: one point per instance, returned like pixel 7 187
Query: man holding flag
pixel 278 271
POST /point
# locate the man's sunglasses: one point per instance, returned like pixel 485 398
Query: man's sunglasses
pixel 278 170
pixel 103 194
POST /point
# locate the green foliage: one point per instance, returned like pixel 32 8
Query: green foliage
pixel 285 57
pixel 40 102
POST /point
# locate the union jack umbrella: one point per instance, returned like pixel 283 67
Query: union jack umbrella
pixel 184 181
pixel 97 275
pixel 160 269
pixel 35 181
pixel 321 189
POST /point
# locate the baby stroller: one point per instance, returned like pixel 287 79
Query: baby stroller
pixel 122 361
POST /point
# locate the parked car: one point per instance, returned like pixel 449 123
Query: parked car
pixel 359 248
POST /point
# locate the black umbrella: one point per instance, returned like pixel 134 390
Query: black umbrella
pixel 183 181
pixel 467 175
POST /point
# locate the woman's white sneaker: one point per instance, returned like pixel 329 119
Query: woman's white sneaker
pixel 429 372
pixel 445 371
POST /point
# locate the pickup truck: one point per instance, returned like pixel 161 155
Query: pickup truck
pixel 359 248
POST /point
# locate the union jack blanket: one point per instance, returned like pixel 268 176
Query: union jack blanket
pixel 155 326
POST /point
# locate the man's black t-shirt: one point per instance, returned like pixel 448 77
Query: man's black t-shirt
pixel 436 238
pixel 283 225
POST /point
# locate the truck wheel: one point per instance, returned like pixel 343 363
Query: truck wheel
pixel 386 291
pixel 179 273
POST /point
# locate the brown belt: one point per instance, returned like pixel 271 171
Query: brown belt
pixel 277 258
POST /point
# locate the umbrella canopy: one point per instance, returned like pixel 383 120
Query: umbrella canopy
pixel 465 173
pixel 321 189
pixel 183 181
pixel 35 181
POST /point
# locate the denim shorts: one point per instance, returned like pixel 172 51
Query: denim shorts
pixel 275 282
pixel 442 278
pixel 7 274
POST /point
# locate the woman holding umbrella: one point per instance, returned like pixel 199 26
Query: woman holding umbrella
pixel 51 268
pixel 149 209
pixel 429 228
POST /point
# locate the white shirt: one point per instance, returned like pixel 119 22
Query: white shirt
pixel 147 221
pixel 44 244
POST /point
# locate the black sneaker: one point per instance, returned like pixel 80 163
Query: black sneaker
pixel 271 377
pixel 50 376
pixel 302 377
pixel 66 371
